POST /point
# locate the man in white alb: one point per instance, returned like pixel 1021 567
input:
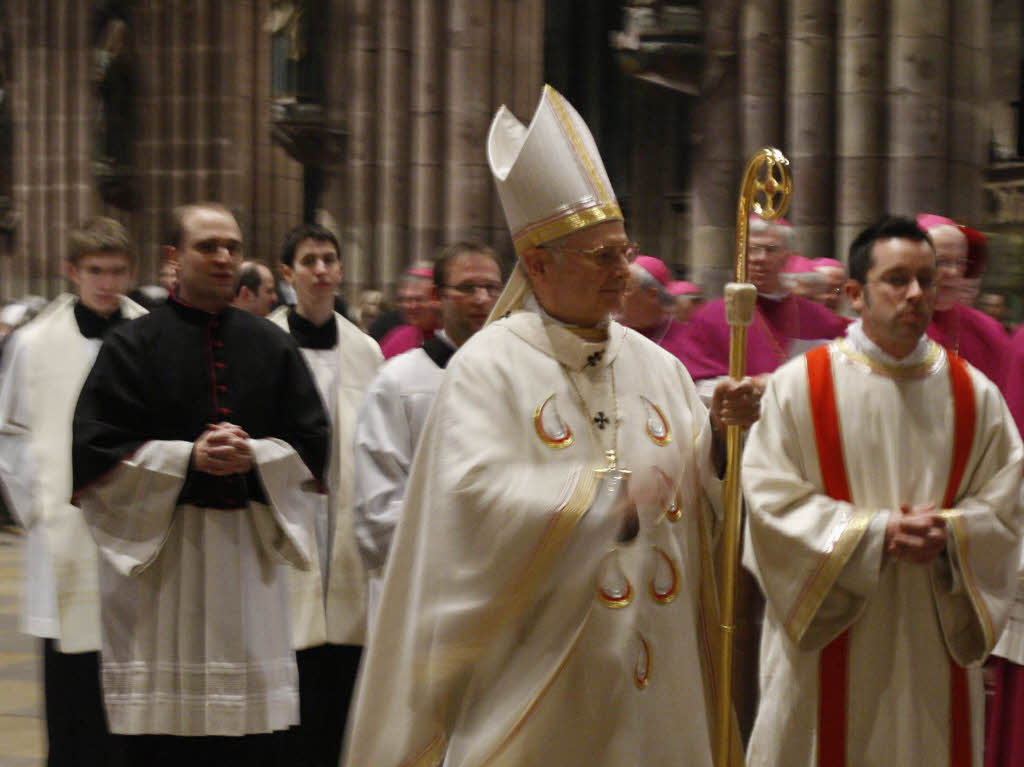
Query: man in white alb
pixel 467 280
pixel 884 526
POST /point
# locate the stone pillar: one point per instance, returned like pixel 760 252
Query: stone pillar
pixel 809 127
pixel 762 76
pixel 52 103
pixel 426 162
pixel 860 196
pixel 716 166
pixel 969 86
pixel 468 187
pixel 392 116
pixel 362 256
pixel 918 65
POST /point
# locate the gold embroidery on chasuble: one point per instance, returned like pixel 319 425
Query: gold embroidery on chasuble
pixel 643 663
pixel 552 430
pixel 664 585
pixel 613 586
pixel 655 424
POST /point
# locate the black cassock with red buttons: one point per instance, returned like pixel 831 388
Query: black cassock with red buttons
pixel 172 373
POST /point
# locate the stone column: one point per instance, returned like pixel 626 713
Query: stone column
pixel 52 106
pixel 392 118
pixel 362 256
pixel 426 162
pixel 809 128
pixel 716 150
pixel 762 75
pixel 860 196
pixel 918 66
pixel 969 86
pixel 468 110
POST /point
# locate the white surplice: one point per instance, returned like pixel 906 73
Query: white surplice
pixel 328 601
pixel 45 365
pixel 195 606
pixel 517 624
pixel 388 429
pixel 820 561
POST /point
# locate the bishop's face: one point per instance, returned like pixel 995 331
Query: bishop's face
pixel 208 258
pixel 582 279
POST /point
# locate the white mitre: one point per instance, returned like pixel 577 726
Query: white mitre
pixel 550 179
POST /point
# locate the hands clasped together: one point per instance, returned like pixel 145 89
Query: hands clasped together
pixel 221 450
pixel 915 533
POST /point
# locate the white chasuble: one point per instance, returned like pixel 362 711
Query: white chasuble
pixel 45 366
pixel 527 619
pixel 904 632
pixel 328 601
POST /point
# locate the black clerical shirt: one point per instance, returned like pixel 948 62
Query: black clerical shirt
pixel 172 373
pixel 93 325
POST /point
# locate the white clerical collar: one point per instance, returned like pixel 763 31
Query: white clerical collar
pixel 782 294
pixel 859 340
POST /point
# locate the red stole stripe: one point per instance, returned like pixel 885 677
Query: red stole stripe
pixel 833 666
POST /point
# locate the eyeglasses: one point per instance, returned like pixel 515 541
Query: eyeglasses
pixel 900 283
pixel 469 289
pixel 604 256
pixel 951 263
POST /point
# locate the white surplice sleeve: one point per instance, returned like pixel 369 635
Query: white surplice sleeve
pixel 17 467
pixel 983 529
pixel 131 511
pixel 383 454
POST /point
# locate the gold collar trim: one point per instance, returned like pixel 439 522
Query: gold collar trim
pixel 928 366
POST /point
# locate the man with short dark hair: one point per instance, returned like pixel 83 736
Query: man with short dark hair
pixel 254 290
pixel 467 280
pixel 44 369
pixel 328 602
pixel 881 484
pixel 199 448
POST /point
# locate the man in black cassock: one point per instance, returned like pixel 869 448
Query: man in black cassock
pixel 199 447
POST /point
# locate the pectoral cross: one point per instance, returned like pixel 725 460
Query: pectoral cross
pixel 601 419
pixel 593 359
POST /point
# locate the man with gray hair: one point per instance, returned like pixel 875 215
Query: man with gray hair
pixel 785 325
pixel 547 593
pixel 648 307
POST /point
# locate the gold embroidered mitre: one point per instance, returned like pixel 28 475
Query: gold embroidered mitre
pixel 550 179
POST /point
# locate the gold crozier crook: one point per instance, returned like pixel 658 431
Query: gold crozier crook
pixel 767 187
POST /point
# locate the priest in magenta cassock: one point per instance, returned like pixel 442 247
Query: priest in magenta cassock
pixel 540 606
pixel 649 307
pixel 884 528
pixel 784 325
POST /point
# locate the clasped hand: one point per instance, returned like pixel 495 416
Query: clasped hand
pixel 221 450
pixel 915 533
